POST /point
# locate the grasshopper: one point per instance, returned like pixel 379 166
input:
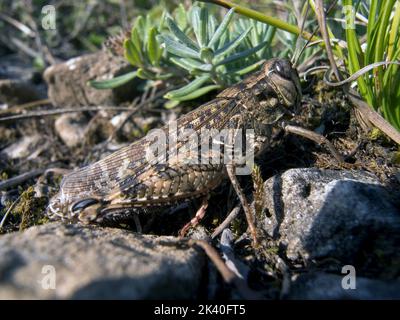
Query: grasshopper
pixel 126 179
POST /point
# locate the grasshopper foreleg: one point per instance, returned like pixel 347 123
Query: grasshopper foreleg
pixel 318 138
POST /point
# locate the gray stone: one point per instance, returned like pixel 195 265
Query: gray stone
pixel 14 66
pixel 317 214
pixel 68 87
pixel 15 91
pixel 71 128
pixel 96 263
pixel 24 147
pixel 324 286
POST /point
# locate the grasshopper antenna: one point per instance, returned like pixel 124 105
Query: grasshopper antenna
pixel 298 51
pixel 296 58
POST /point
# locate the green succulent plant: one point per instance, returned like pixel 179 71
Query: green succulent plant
pixel 195 50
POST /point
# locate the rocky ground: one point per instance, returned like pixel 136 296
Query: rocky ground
pixel 317 219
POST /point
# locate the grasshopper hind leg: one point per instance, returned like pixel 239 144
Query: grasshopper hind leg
pixel 129 217
pixel 93 211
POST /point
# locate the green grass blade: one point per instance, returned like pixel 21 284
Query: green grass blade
pixel 355 53
pixel 257 15
pixel 394 33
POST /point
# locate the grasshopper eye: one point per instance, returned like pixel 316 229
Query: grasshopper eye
pixel 82 204
pixel 283 68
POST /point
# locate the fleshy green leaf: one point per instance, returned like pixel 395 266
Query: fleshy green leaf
pixel 140 24
pixel 183 63
pixel 131 53
pixel 247 69
pixel 137 42
pixel 200 25
pixel 203 27
pixel 180 16
pixel 228 48
pixel 206 54
pixel 188 89
pixel 170 104
pixel 242 54
pixel 191 64
pixel 113 83
pixel 181 35
pixel 221 28
pixel 198 93
pixel 153 47
pixel 146 75
pixel 212 26
pixel 178 48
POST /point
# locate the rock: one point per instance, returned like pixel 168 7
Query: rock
pixel 13 92
pixel 71 128
pixel 19 81
pixel 13 66
pixel 24 147
pixel 322 286
pixel 343 215
pixel 67 82
pixel 130 128
pixel 96 263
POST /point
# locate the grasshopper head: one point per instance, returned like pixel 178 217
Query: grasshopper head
pixel 72 206
pixel 284 81
pixel 277 90
pixel 58 207
pixel 85 210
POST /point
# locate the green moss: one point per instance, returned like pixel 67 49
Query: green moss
pixel 30 210
pixel 396 157
pixel 3 175
pixel 375 134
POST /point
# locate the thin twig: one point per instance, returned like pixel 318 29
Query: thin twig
pixel 228 275
pixel 226 222
pixel 20 178
pixel 357 74
pixel 27 105
pixel 374 117
pixel 316 137
pixel 246 208
pixel 225 245
pixel 298 40
pixel 82 21
pixel 319 5
pixel 312 36
pixel 46 113
pixel 18 25
pixel 8 212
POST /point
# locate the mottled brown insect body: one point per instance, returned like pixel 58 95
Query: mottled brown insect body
pixel 127 179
